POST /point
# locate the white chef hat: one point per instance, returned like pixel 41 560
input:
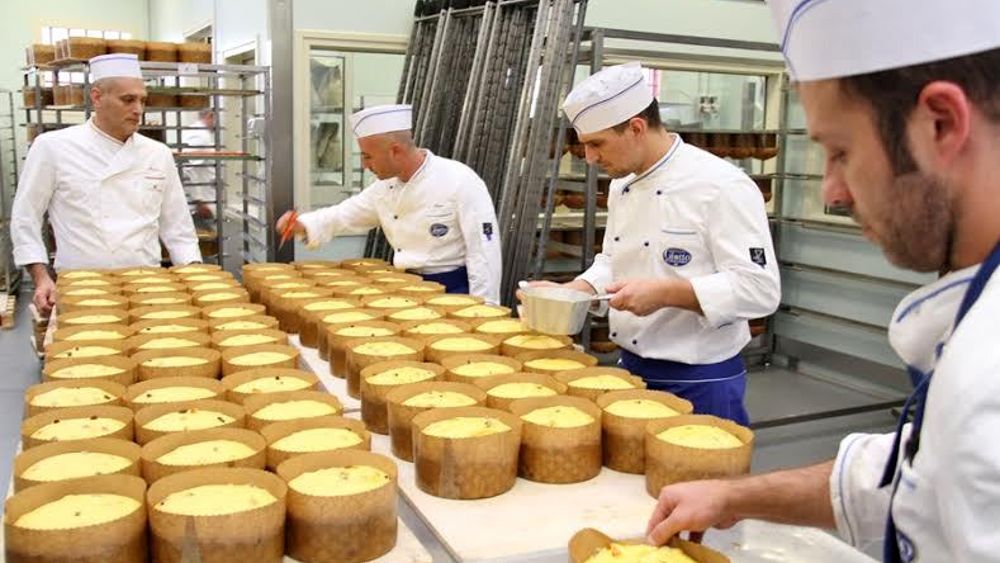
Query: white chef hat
pixel 837 38
pixel 382 119
pixel 116 65
pixel 608 97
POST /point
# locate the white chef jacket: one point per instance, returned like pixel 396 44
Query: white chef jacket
pixel 440 220
pixel 948 500
pixel 695 216
pixel 202 138
pixel 109 203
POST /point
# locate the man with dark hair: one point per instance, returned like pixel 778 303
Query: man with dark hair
pixel 687 250
pixel 904 98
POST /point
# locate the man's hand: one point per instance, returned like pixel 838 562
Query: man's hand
pixel 641 297
pixel 45 289
pixel 693 506
pixel 298 228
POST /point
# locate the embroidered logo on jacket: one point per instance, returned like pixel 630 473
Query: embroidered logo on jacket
pixel 676 256
pixel 488 231
pixel 758 256
pixel 907 549
pixel 438 230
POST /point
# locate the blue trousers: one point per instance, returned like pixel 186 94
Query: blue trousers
pixel 455 281
pixel 716 389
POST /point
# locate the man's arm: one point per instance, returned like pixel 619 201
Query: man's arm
pixel 34 192
pixel 796 496
pixel 356 214
pixel 478 221
pixel 176 227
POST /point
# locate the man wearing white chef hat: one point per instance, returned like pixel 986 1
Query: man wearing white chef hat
pixel 687 249
pixel 435 212
pixel 904 97
pixel 111 195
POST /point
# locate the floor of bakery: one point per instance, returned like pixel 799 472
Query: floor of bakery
pixel 773 392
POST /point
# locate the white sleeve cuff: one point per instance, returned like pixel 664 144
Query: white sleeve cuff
pixel 30 255
pixel 185 254
pixel 599 274
pixel 716 297
pixel 311 221
pixel 860 507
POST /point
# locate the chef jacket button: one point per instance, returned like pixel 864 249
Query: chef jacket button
pixel 634 342
pixel 395 216
pixel 399 250
pixel 616 239
pixel 625 190
pixel 659 192
pixel 646 243
pixel 614 334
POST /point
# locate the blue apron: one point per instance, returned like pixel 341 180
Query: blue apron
pixel 455 281
pixel 898 548
pixel 716 389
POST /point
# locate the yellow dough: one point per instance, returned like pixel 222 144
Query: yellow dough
pixel 192 268
pixel 135 272
pixel 241 325
pixel 300 295
pixel 91 283
pixel 461 344
pixel 174 362
pixel 393 303
pixel 79 275
pixel 167 342
pixel 151 279
pixel 480 311
pixel 465 427
pixel 259 359
pixel 272 385
pixel 482 369
pixel 162 301
pixel 87 352
pixel 173 394
pixel 157 315
pixel 84 291
pixel 215 500
pixel 206 453
pixel 328 306
pixel 288 410
pixel 342 283
pixel 201 277
pixel 156 289
pixel 340 481
pixel 502 326
pixel 98 303
pixel 92 320
pixel 640 408
pixel 558 417
pixel 73 465
pixel 416 314
pixel 400 376
pixel 188 419
pixel 168 329
pixel 83 371
pixel 221 296
pixel 77 429
pixel 72 397
pixel 419 288
pixel 439 399
pixel 383 349
pixel 77 511
pixel 553 364
pixel 348 317
pixel 521 391
pixel 289 285
pixel 390 280
pixel 452 300
pixel 96 335
pixel 619 553
pixel 207 286
pixel 535 342
pixel 700 436
pixel 436 328
pixel 247 340
pixel 317 440
pixel 231 312
pixel 603 381
pixel 365 331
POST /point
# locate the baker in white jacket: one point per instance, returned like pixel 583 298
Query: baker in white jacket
pixel 903 96
pixel 435 212
pixel 687 249
pixel 111 194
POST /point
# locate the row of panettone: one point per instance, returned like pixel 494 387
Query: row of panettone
pixel 558 442
pixel 83 48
